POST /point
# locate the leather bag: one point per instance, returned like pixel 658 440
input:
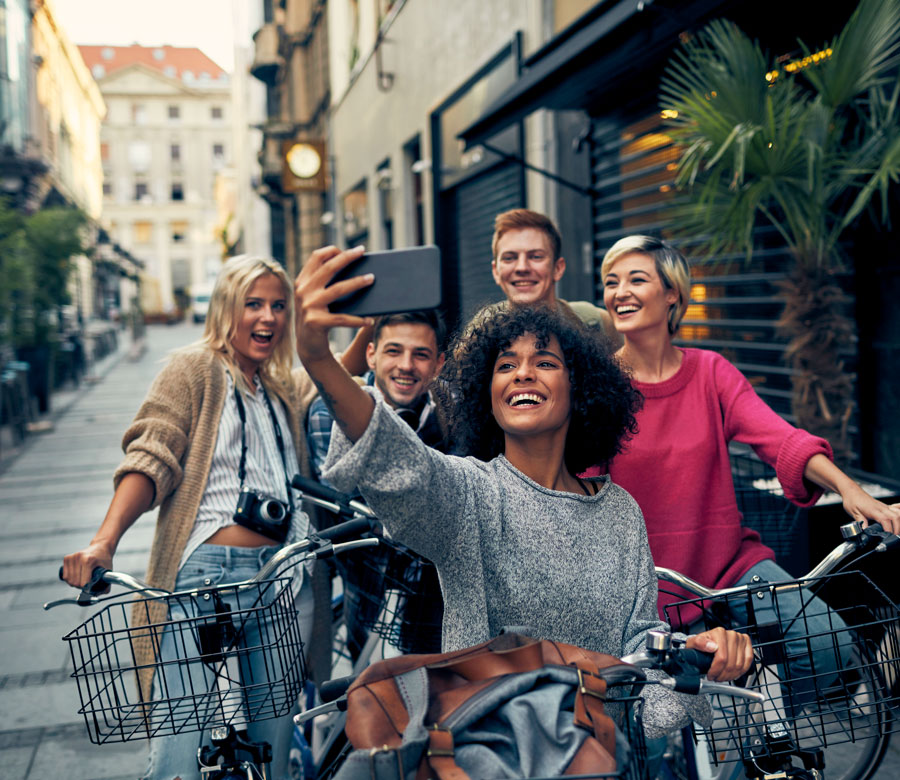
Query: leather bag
pixel 510 707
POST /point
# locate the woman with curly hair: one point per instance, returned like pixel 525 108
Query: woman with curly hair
pixel 517 538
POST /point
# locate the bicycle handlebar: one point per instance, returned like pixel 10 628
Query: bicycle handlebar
pixel 317 545
pixel 329 498
pixel 684 665
pixel 857 538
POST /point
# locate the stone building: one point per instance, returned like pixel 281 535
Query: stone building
pixel 166 136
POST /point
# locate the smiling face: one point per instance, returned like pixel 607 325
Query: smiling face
pixel 261 324
pixel 531 392
pixel 405 361
pixel 635 295
pixel 525 267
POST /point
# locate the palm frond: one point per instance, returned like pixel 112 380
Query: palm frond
pixel 862 56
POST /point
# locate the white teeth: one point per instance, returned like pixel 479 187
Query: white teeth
pixel 626 309
pixel 263 333
pixel 520 397
pixel 404 381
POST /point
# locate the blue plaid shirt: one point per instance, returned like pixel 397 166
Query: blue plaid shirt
pixel 319 421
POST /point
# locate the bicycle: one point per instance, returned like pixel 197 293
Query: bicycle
pixel 221 634
pixel 386 605
pixel 624 681
pixel 824 687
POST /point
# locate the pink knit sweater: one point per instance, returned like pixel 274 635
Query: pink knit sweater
pixel 678 471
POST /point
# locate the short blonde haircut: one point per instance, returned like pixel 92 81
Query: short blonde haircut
pixel 671 266
pixel 226 307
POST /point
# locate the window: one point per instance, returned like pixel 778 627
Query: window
pixel 143 232
pixel 104 152
pixel 107 189
pixel 216 112
pixel 140 190
pixel 138 113
pixel 140 155
pixel 218 153
pixel 175 152
pixel 355 207
pixel 385 203
pixel 174 112
pixel 177 190
pixel 98 71
pixel 415 210
pixel 179 232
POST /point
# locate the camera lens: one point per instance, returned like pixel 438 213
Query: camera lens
pixel 271 511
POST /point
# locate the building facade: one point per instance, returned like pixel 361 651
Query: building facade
pixel 167 135
pixel 439 120
pixel 291 60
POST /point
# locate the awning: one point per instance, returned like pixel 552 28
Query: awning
pixel 600 54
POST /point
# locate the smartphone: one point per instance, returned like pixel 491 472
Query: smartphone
pixel 405 280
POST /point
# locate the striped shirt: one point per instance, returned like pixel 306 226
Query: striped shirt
pixel 264 470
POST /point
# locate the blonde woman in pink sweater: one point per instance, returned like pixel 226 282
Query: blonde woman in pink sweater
pixel 695 403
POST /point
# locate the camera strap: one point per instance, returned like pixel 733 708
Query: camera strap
pixel 279 440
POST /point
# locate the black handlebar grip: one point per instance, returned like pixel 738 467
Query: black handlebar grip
pixel 343 532
pixel 93 587
pixel 888 542
pixel 696 659
pixel 334 689
pixel 687 683
pixel 317 490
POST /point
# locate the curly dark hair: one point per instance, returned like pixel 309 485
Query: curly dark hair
pixel 603 403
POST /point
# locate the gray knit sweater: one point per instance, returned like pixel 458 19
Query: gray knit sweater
pixel 509 552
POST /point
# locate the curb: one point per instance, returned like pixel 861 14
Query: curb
pixel 62 401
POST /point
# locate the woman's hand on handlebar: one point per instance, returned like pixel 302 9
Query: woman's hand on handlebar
pixel 861 506
pixel 78 566
pixel 733 652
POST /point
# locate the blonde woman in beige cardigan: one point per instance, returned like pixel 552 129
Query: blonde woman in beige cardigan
pixel 182 454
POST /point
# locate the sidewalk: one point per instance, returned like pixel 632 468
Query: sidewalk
pixel 54 491
pixel 64 397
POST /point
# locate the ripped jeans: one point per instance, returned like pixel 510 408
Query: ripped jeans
pixel 176 756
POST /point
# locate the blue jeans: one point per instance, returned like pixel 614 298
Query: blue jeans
pixel 816 643
pixel 211 565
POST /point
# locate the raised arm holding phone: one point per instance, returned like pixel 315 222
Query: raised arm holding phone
pixel 517 538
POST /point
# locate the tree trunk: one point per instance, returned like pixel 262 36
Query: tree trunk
pixel 821 336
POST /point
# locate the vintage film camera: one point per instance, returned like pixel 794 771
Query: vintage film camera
pixel 262 513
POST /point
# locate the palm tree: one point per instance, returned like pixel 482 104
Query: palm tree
pixel 803 147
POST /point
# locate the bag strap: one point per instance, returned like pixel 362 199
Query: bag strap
pixel 440 755
pixel 590 712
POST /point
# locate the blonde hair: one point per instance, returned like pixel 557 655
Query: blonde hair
pixel 671 266
pixel 226 307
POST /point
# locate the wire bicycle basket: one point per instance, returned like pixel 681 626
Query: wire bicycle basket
pixel 395 593
pixel 829 683
pixel 205 656
pixel 761 501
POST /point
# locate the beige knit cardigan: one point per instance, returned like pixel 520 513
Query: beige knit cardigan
pixel 171 441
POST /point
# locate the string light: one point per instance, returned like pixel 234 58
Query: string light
pixel 797 65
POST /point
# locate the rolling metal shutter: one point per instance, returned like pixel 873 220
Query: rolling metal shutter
pixel 734 305
pixel 471 207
